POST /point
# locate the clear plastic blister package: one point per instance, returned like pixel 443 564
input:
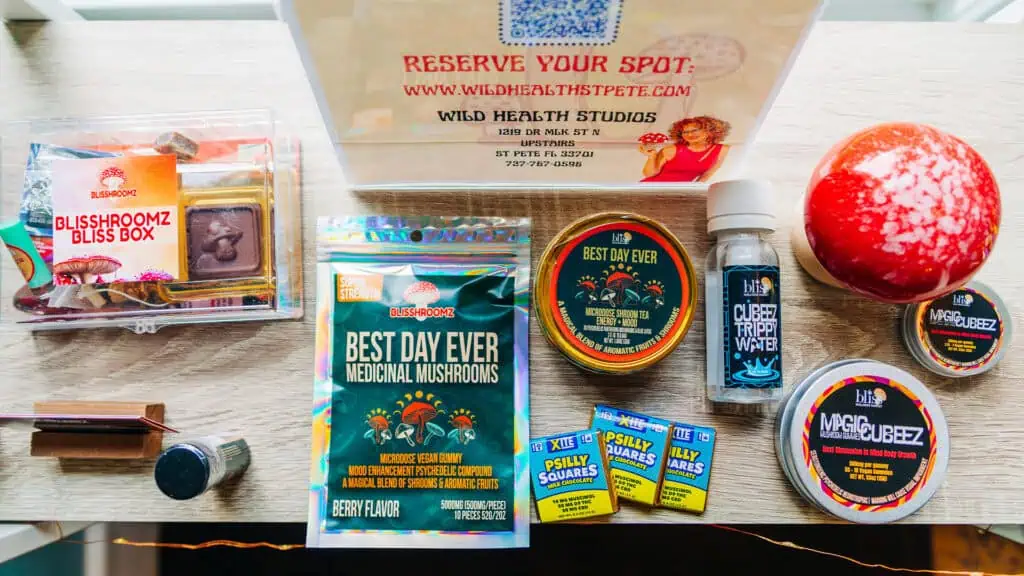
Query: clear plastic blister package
pixel 148 221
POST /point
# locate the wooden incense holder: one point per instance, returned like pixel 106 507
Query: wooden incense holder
pixel 144 442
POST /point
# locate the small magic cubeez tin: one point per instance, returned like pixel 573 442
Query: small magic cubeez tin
pixel 863 441
pixel 615 292
pixel 688 468
pixel 960 334
pixel 570 477
pixel 636 446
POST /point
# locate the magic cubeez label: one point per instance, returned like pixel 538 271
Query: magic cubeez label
pixel 962 330
pixel 869 443
pixel 752 319
pixel 570 477
pixel 620 291
pixel 636 446
pixel 688 468
pixel 422 425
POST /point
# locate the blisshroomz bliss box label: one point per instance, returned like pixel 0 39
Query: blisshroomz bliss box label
pixel 423 363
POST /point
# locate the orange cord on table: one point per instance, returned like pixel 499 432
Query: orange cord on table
pixel 780 543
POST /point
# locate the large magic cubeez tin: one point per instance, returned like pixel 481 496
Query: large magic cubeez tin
pixel 615 292
pixel 863 441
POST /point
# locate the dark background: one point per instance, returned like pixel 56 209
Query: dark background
pixel 564 549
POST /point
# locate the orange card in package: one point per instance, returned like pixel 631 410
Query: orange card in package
pixel 115 219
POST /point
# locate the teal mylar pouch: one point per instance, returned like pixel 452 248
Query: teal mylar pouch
pixel 421 398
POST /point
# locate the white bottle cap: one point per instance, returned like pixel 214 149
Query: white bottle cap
pixel 741 205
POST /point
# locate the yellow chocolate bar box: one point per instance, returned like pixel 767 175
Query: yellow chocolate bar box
pixel 570 477
pixel 636 446
pixel 688 468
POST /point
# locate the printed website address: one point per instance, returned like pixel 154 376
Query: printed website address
pixel 618 90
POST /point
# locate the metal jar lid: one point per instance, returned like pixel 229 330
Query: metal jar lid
pixel 784 419
pixel 963 333
pixel 615 292
pixel 864 441
pixel 182 472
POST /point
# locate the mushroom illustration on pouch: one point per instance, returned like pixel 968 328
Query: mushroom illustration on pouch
pixel 416 411
pixel 463 424
pixel 379 423
pixel 416 414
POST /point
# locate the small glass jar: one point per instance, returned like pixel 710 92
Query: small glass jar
pixel 190 468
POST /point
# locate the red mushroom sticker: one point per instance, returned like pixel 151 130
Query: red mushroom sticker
pixel 421 295
pixel 86 270
pixel 416 411
pixel 901 213
pixel 463 423
pixel 652 141
pixel 379 422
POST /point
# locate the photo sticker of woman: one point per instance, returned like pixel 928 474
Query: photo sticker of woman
pixel 693 154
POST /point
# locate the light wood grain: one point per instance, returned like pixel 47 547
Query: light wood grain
pixel 256 378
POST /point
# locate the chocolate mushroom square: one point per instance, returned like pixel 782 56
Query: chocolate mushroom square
pixel 223 242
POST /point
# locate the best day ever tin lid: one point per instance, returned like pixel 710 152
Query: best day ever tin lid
pixel 615 292
pixel 869 421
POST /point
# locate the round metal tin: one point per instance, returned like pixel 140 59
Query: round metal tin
pixel 863 441
pixel 964 333
pixel 784 419
pixel 615 292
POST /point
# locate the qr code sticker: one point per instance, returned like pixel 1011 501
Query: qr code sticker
pixel 559 22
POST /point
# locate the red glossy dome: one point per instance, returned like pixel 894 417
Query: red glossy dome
pixel 902 212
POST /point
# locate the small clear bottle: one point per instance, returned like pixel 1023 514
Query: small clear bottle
pixel 743 306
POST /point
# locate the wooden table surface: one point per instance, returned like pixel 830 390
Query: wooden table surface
pixel 257 378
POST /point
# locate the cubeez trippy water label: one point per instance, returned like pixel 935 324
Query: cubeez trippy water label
pixel 869 443
pixel 962 330
pixel 570 477
pixel 636 446
pixel 753 327
pixel 422 437
pixel 115 219
pixel 688 468
pixel 620 291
